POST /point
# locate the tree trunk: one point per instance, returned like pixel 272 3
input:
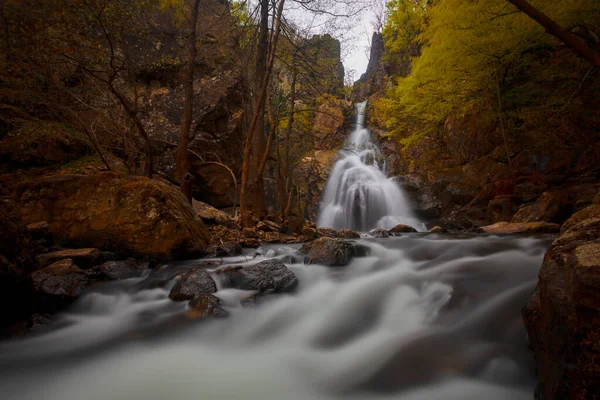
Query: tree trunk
pixel 256 186
pixel 288 131
pixel 182 164
pixel 244 211
pixel 576 44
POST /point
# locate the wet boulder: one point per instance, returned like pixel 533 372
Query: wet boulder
pixel 58 285
pixel 348 234
pixel 524 228
pixel 401 228
pixel 379 233
pixel 437 229
pixel 270 276
pixel 205 306
pixel 117 270
pixel 327 232
pixel 84 258
pixel 192 283
pixel 125 214
pixel 332 252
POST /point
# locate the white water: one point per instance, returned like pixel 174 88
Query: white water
pixel 358 194
pixel 422 318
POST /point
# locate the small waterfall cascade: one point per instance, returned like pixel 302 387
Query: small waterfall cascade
pixel 358 194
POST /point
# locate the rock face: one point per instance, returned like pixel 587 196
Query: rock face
pixel 332 252
pixel 547 208
pixel 125 214
pixel 562 316
pixel 192 283
pixel 58 284
pixel 266 277
pixel 528 227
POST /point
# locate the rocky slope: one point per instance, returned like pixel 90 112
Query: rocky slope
pixel 563 314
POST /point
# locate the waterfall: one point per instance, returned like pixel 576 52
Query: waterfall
pixel 358 194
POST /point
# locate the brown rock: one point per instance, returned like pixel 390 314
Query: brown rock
pixel 400 228
pixel 267 226
pixel 437 229
pixel 310 233
pixel 529 227
pixel 547 208
pixel 348 234
pixel 85 258
pixel 111 211
pixel 205 306
pixel 562 316
pixel 332 252
pixel 58 285
pixel 588 213
pixel 210 215
pixel 192 283
pixel 327 232
pixel 380 233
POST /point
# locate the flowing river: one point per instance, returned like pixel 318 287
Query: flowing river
pixel 425 316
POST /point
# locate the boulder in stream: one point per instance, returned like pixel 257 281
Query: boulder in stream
pixel 401 228
pixel 58 285
pixel 269 276
pixel 205 305
pixel 191 284
pixel 332 252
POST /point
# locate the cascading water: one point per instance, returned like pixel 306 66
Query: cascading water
pixel 422 318
pixel 358 194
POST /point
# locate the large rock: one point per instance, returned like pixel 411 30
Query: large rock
pixel 84 258
pixel 588 213
pixel 111 211
pixel 266 276
pixel 400 228
pixel 549 207
pixel 58 285
pixel 192 283
pixel 562 316
pixel 332 252
pixel 527 228
pixel 210 215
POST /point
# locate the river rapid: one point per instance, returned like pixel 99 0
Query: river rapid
pixel 424 317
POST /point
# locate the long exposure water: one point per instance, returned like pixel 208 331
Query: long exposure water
pixel 423 317
pixel 358 194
